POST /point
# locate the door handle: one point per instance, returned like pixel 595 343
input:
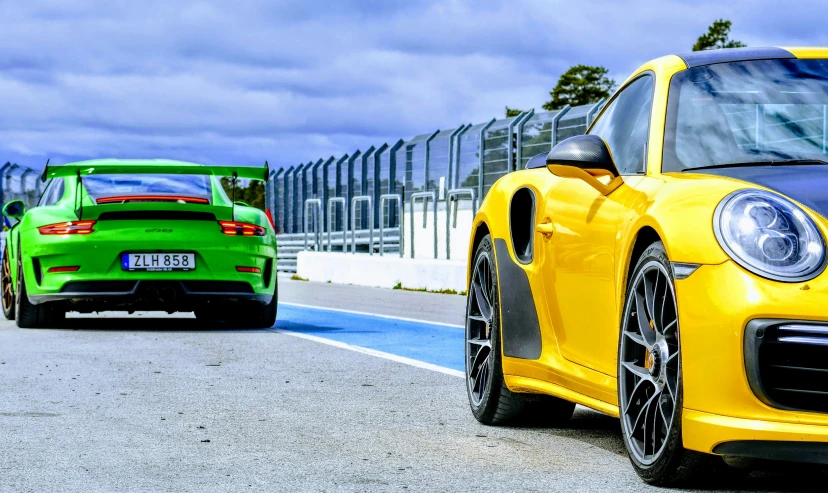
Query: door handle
pixel 546 228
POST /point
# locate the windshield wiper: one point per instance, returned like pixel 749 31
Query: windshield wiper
pixel 780 162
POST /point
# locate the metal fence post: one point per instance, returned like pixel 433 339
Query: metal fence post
pixel 383 199
pixel 318 204
pixel 519 138
pixel 331 202
pixel 454 195
pixel 425 196
pixel 354 201
pixel 593 111
pixel 554 127
pixel 481 149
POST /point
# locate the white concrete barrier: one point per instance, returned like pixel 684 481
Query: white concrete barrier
pixel 382 271
pixel 424 236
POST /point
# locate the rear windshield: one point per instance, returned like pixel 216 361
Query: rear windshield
pixel 100 186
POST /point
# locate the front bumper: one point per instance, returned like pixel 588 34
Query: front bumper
pixel 721 411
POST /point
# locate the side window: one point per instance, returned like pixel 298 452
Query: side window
pixel 625 125
pixel 53 192
pixel 44 198
pixel 57 192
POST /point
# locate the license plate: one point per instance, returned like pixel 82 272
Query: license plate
pixel 158 262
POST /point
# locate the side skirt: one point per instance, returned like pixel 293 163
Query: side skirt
pixel 532 386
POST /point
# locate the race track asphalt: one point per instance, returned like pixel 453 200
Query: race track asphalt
pixel 327 400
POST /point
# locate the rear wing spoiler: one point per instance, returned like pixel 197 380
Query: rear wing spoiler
pixel 152 167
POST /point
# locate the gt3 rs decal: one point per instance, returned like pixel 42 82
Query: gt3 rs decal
pixel 518 317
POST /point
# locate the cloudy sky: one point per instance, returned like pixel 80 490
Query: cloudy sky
pixel 291 81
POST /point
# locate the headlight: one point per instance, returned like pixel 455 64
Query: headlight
pixel 769 236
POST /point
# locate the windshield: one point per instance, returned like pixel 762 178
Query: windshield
pixel 747 113
pixel 99 186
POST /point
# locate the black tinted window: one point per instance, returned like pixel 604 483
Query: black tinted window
pixel 625 125
pixel 99 186
pixel 747 113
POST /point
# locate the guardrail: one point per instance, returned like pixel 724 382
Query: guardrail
pixel 354 201
pixel 316 220
pixel 331 202
pixel 384 198
pixel 454 196
pixel 425 196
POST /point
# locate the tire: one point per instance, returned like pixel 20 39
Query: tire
pixel 491 402
pixel 650 378
pixel 242 315
pixel 30 316
pixel 8 300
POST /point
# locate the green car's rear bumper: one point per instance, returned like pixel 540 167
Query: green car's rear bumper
pixel 101 277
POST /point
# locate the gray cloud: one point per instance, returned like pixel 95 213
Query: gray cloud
pixel 291 81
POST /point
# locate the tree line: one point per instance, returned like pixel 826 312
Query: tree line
pixel 588 84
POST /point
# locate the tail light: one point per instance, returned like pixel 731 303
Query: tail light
pixel 270 218
pixel 120 199
pixel 68 268
pixel 251 270
pixel 68 228
pixel 233 228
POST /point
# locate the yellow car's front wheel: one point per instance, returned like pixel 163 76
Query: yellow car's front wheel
pixel 649 377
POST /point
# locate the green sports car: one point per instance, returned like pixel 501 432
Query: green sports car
pixel 140 235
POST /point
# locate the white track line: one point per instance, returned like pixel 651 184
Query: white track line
pixel 374 352
pixel 373 315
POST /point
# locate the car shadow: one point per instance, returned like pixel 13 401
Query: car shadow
pixel 604 432
pixel 143 324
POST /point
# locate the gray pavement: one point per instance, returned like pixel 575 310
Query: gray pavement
pixel 432 307
pixel 155 403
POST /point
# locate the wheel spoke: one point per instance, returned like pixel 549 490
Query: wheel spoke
pixel 639 391
pixel 672 383
pixel 482 302
pixel 643 321
pixel 636 338
pixel 481 342
pixel 641 414
pixel 650 424
pixel 653 301
pixel 668 422
pixel 478 318
pixel 669 327
pixel 636 370
pixel 648 295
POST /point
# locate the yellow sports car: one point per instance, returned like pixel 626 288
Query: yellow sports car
pixel 668 267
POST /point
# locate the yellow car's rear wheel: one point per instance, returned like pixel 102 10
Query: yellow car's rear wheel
pixel 491 402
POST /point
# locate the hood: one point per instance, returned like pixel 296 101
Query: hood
pixel 806 184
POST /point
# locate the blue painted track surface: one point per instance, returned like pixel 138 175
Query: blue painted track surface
pixel 436 344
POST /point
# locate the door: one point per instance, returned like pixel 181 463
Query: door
pixel 582 252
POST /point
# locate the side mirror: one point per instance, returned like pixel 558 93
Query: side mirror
pixel 585 157
pixel 15 209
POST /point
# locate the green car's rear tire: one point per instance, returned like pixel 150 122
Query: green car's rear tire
pixel 241 315
pixel 258 316
pixel 31 316
pixel 8 293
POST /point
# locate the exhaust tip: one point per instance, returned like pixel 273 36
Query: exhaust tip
pixel 168 295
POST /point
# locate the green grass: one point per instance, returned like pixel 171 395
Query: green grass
pixel 426 290
pixel 294 277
